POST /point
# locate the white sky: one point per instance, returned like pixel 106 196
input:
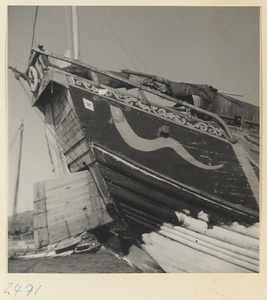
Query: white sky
pixel 214 46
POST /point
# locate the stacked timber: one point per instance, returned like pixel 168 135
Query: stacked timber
pixel 65 207
pixel 196 248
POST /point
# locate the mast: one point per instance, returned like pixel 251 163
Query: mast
pixel 21 128
pixel 75 32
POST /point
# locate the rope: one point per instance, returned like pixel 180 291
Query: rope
pixel 13 141
pixel 11 52
pixel 125 36
pixel 40 259
pixel 26 92
pixel 113 31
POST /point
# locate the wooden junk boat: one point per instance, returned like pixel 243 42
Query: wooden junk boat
pixel 161 182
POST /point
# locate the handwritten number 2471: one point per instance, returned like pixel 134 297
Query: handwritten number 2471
pixel 18 289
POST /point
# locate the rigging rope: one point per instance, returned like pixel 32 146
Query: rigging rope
pixel 13 141
pixel 37 262
pixel 113 31
pixel 139 59
pixel 11 52
pixel 26 92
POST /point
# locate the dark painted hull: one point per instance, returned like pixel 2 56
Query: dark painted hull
pixel 219 186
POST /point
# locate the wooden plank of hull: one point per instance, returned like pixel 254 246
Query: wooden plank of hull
pixel 177 197
pixel 221 183
pixel 157 195
pixel 161 212
pixel 57 157
pixel 68 131
pixel 76 151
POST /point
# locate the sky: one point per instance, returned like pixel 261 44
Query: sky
pixel 218 46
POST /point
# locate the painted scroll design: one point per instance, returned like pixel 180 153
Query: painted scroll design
pixel 159 111
pixel 141 144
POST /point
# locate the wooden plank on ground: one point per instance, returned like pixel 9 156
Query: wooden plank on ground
pixel 72 205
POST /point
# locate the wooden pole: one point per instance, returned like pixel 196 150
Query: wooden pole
pixel 18 174
pixel 75 32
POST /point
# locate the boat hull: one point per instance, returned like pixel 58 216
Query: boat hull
pixel 161 171
pixel 194 159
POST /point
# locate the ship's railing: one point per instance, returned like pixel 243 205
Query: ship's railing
pixel 40 62
pixel 22 237
pixel 252 124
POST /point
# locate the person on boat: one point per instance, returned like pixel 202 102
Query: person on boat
pixel 188 99
pixel 238 122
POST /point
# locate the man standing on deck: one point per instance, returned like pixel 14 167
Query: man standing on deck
pixel 237 122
